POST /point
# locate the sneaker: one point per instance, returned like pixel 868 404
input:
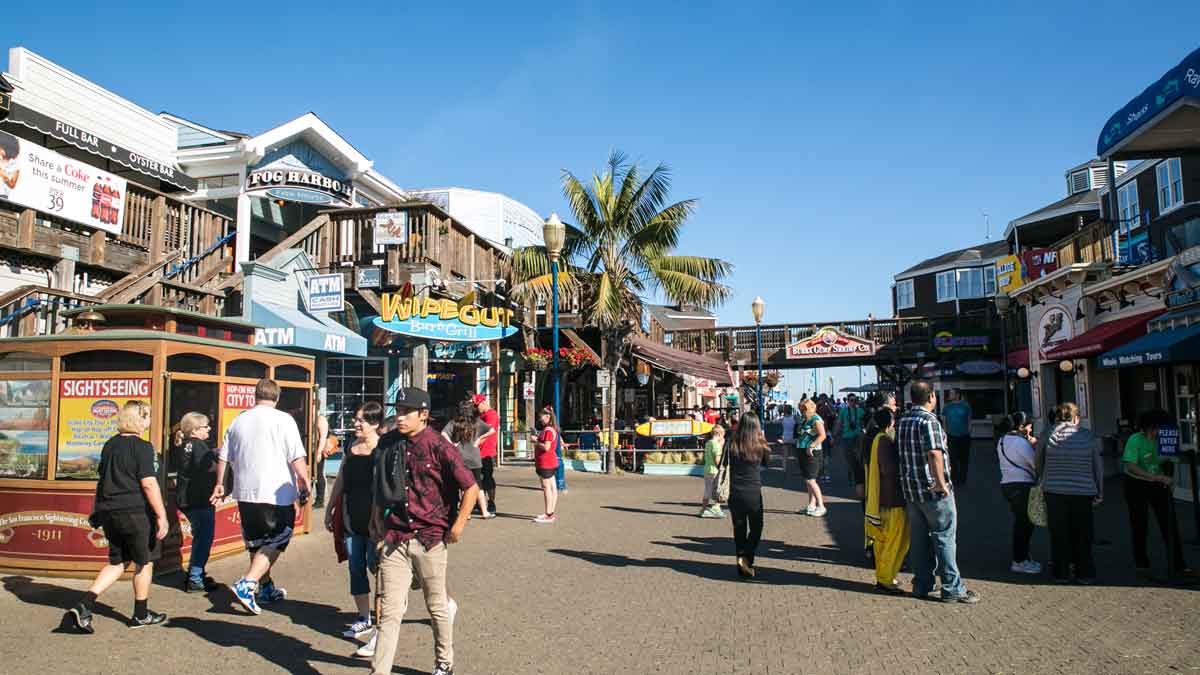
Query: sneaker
pixel 819 512
pixel 151 619
pixel 545 519
pixel 368 650
pixel 487 516
pixel 1026 567
pixel 245 590
pixel 81 617
pixel 443 669
pixel 271 593
pixel 967 598
pixel 359 628
pixel 193 586
pixel 806 511
pixel 451 609
pixel 710 512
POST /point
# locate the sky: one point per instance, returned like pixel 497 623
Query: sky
pixel 831 145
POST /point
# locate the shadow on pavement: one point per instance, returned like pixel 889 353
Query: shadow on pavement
pixel 652 512
pixel 288 653
pixel 33 592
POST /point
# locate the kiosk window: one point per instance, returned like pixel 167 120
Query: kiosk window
pixel 195 364
pixel 14 362
pixel 107 360
pixel 246 368
pixel 289 373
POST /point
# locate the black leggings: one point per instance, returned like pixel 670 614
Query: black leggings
pixel 1071 526
pixel 488 484
pixel 747 514
pixel 1017 495
pixel 1142 497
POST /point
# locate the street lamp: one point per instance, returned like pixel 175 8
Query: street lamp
pixel 1003 302
pixel 757 308
pixel 554 233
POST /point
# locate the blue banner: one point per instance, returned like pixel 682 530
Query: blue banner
pixel 1180 81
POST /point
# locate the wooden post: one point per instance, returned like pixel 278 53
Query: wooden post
pixel 25 224
pixel 98 248
pixel 393 266
pixel 155 297
pixel 158 229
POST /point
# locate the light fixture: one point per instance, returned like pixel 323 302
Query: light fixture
pixel 554 233
pixel 757 308
pixel 1003 302
pixel 1066 365
pixel 1023 373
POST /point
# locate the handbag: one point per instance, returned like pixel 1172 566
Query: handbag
pixel 720 489
pixel 1036 509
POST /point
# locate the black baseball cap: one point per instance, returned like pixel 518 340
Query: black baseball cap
pixel 411 398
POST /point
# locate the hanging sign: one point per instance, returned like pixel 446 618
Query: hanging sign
pixel 326 293
pixel 947 341
pixel 391 227
pixel 368 277
pixel 42 179
pixel 830 342
pixel 1054 327
pixel 438 319
pixel 87 418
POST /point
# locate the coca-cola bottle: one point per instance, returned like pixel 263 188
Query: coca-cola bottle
pixel 96 201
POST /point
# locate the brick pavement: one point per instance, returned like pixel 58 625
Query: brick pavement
pixel 629 580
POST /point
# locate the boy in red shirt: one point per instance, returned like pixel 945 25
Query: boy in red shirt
pixel 487 449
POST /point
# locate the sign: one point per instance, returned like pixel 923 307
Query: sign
pixel 662 428
pixel 1168 440
pixel 391 227
pixel 1037 263
pixel 284 336
pixel 528 390
pixel 1054 327
pixel 603 378
pixel 42 179
pixel 234 399
pixel 301 195
pixel 1134 249
pixel 1008 274
pixel 460 351
pixel 1183 279
pixel 99 146
pixel 947 341
pixel 24 428
pixel 830 342
pixel 368 277
pixel 1182 80
pixel 275 181
pixel 87 418
pixel 437 319
pixel 326 293
pixel 980 367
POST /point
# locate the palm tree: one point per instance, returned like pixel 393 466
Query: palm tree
pixel 620 250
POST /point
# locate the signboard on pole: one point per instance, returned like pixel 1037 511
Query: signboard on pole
pixel 42 179
pixel 528 390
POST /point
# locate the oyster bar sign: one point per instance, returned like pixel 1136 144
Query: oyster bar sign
pixel 830 342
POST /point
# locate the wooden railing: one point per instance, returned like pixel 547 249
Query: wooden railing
pixel 37 310
pixel 1091 244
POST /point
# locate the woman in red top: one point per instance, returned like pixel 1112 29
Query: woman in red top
pixel 546 461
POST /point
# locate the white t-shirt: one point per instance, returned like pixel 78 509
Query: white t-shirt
pixel 1020 465
pixel 789 429
pixel 260 447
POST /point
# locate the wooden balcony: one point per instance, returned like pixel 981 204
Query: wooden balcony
pixel 1090 244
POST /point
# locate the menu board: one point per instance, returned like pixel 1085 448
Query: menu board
pixel 24 428
pixel 87 418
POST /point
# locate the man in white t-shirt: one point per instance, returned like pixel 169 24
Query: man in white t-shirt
pixel 270 472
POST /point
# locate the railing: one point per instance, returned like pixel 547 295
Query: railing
pixel 37 310
pixel 1090 244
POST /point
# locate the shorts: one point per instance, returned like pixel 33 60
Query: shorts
pixel 131 539
pixel 810 467
pixel 266 525
pixel 547 473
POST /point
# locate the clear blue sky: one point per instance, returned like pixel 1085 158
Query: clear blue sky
pixel 830 146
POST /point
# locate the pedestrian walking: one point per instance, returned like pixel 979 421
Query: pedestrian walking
pixel 349 514
pixel 1148 488
pixel 467 431
pixel 849 428
pixel 488 453
pixel 787 434
pixel 886 522
pixel 264 450
pixel 957 413
pixel 327 446
pixel 748 454
pixel 1073 482
pixel 713 448
pixel 1018 475
pixel 929 498
pixel 810 439
pixel 419 477
pixel 129 508
pixel 195 478
pixel 829 414
pixel 546 464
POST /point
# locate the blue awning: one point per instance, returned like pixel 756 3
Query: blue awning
pixel 1176 345
pixel 1177 95
pixel 285 327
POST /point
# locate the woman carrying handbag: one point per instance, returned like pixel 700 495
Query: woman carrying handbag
pixel 1018 476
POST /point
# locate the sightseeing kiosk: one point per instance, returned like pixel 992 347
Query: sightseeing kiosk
pixel 59 398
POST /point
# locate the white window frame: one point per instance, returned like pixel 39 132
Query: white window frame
pixel 1169 178
pixel 970 291
pixel 906 299
pixel 989 281
pixel 952 285
pixel 1128 208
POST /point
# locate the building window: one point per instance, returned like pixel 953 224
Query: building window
pixel 1170 185
pixel 215 182
pixel 904 295
pixel 989 280
pixel 970 283
pixel 349 383
pixel 945 286
pixel 1127 208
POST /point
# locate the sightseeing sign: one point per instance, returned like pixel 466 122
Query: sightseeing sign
pixel 830 342
pixel 437 319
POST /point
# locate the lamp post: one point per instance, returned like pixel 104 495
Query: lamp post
pixel 757 308
pixel 1003 302
pixel 554 233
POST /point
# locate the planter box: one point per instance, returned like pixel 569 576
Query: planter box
pixel 592 465
pixel 673 469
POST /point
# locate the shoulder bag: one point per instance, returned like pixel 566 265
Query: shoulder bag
pixel 720 489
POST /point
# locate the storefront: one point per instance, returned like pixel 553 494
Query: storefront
pixel 60 396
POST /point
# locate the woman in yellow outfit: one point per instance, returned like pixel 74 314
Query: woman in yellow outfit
pixel 886 522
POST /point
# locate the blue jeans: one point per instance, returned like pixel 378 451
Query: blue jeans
pixel 362 556
pixel 204 524
pixel 932 551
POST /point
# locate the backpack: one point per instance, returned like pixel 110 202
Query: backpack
pixel 391 474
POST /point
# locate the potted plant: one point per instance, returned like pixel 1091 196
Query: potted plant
pixel 537 359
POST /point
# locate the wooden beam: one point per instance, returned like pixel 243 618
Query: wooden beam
pixel 25 225
pixel 158 229
pixel 371 299
pixel 99 248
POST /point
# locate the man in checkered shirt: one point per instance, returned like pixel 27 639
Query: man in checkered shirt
pixel 932 514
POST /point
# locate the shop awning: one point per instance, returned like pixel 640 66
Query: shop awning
pixel 286 327
pixel 1018 358
pixel 1104 337
pixel 678 361
pixel 1162 120
pixel 1175 345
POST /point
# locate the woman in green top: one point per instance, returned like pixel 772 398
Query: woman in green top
pixel 810 435
pixel 712 460
pixel 1148 487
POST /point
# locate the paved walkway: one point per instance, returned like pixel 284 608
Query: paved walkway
pixel 629 580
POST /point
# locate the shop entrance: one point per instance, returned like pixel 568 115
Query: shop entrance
pixel 450 384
